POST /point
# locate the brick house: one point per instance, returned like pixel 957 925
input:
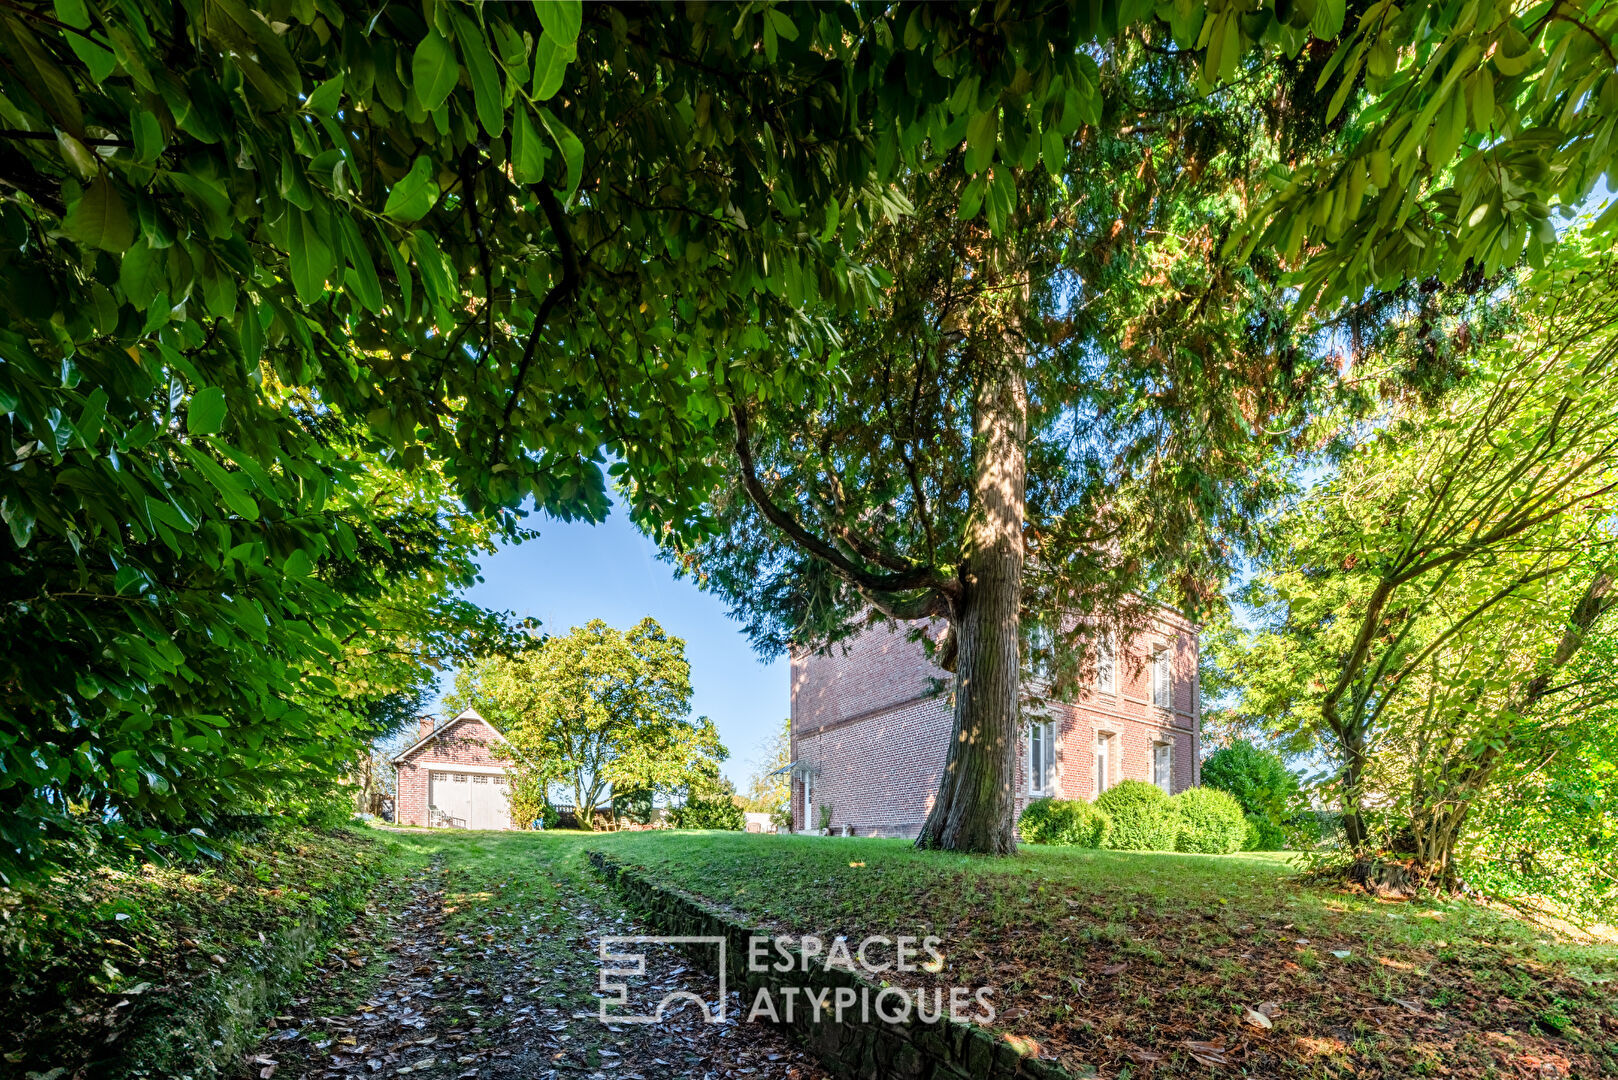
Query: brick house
pixel 871 722
pixel 452 776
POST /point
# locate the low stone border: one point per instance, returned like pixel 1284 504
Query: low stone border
pixel 874 1049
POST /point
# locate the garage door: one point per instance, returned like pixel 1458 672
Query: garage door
pixel 451 799
pixel 488 808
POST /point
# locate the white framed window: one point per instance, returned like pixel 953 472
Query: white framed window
pixel 1163 766
pixel 1106 668
pixel 1104 772
pixel 1042 758
pixel 1163 679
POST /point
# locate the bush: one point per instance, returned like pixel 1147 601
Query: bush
pixel 1264 835
pixel 526 798
pixel 1064 821
pixel 1258 778
pixel 1142 817
pixel 1208 821
pixel 717 812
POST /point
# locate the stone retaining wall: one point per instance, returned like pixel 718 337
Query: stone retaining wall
pixel 910 1050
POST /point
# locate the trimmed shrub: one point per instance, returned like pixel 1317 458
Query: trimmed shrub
pixel 1064 821
pixel 1142 817
pixel 714 813
pixel 1208 821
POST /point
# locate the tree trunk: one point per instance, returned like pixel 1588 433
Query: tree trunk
pixel 973 810
pixel 1353 790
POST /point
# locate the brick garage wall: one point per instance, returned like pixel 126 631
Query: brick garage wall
pixel 463 741
pixel 869 724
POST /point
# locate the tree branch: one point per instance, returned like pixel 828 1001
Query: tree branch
pixel 562 290
pixel 917 577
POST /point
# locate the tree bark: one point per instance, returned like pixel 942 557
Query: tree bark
pixel 973 809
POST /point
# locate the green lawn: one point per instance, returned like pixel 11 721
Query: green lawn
pixel 1356 986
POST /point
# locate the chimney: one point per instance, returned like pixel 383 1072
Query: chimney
pixel 426 725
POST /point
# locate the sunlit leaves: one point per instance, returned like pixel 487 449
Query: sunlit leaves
pixel 434 71
pixel 413 194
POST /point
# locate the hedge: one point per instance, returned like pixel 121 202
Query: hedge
pixel 1064 821
pixel 1142 817
pixel 1208 821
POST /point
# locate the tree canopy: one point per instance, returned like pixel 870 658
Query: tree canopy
pixel 250 250
pixel 598 710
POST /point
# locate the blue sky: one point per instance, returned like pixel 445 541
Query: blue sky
pixel 574 572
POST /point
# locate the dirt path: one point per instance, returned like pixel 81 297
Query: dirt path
pixel 483 967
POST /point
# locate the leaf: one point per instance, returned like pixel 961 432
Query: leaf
pixel 981 131
pixel 561 19
pixel 781 23
pixel 100 218
pixel 326 97
pixel 527 151
pixel 1257 1019
pixel 309 258
pixel 550 66
pixel 148 132
pixel 572 150
pixel 433 71
pixel 480 65
pixel 413 194
pixel 206 413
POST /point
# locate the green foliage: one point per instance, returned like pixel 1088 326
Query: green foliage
pixel 769 789
pixel 1261 783
pixel 527 797
pixel 634 806
pixel 710 812
pixel 1142 816
pixel 597 708
pixel 1264 834
pixel 1072 822
pixel 1208 821
pixel 104 929
pixel 1465 128
pixel 1550 829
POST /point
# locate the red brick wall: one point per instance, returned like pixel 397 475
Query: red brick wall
pixel 869 726
pixel 462 741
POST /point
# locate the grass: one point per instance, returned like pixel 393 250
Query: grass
pixel 116 969
pixel 1356 986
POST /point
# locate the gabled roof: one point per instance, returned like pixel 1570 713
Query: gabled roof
pixel 469 714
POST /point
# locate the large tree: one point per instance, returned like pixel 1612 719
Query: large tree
pixel 1044 422
pixel 598 710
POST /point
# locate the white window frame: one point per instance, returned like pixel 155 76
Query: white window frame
pixel 1163 678
pixel 1166 782
pixel 1105 775
pixel 1041 781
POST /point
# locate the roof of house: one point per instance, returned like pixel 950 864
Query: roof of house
pixel 469 714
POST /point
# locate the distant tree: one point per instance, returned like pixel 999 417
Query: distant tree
pixel 769 790
pixel 598 709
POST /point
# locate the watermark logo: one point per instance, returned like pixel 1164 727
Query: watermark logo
pixel 617 967
pixel 784 971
